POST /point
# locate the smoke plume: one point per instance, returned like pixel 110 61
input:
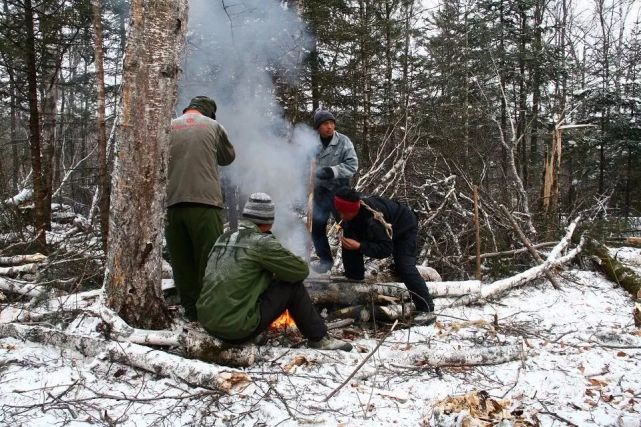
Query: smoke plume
pixel 234 47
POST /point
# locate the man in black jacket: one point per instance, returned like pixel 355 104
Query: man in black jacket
pixel 378 227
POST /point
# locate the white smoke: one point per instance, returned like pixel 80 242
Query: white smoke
pixel 233 49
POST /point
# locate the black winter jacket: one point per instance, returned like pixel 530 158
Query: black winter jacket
pixel 375 243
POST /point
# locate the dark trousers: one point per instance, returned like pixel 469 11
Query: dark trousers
pixel 191 232
pixel 281 296
pixel 404 253
pixel 323 208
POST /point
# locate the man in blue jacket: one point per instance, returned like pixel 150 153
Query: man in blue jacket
pixel 336 163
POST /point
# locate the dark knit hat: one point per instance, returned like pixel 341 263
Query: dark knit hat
pixel 259 209
pixel 204 104
pixel 321 116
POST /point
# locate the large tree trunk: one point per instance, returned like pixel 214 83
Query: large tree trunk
pixel 103 182
pixel 133 276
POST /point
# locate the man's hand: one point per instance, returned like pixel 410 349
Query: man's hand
pixel 350 244
pixel 325 173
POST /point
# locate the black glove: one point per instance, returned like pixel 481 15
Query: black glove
pixel 325 173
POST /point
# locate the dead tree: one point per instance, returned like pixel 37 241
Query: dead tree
pixel 133 276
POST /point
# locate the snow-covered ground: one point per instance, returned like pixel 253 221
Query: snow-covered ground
pixel 583 367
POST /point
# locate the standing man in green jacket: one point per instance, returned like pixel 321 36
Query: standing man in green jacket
pixel 198 145
pixel 251 279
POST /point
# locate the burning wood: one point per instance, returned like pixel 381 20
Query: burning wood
pixel 284 322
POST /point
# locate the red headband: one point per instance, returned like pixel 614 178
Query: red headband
pixel 346 206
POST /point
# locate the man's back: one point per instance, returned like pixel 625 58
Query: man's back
pixel 198 145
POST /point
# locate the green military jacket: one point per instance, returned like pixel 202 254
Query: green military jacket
pixel 241 265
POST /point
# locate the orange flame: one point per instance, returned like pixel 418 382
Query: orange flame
pixel 284 321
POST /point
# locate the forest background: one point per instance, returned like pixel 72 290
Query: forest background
pixel 533 101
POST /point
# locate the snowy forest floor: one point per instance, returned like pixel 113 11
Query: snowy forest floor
pixel 582 368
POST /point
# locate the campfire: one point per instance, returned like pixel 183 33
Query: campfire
pixel 284 322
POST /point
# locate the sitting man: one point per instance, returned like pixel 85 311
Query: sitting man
pixel 378 227
pixel 251 279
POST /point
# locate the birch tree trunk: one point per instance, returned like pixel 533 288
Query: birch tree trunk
pixel 151 67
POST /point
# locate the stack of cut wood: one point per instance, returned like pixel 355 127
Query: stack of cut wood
pixel 374 300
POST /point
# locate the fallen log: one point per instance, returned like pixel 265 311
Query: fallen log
pixel 22 259
pixel 351 312
pixel 633 241
pixel 339 324
pixel 157 362
pixel 16 270
pixel 203 346
pixel 24 195
pixel 404 359
pixel 19 287
pixel 499 286
pixel 343 291
pixel 329 290
pixel 196 344
pixel 394 312
pixel 615 270
pixel 475 356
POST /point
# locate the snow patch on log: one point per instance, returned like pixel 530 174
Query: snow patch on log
pixel 24 195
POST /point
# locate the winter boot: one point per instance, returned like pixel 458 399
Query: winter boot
pixel 424 318
pixel 321 266
pixel 260 339
pixel 329 343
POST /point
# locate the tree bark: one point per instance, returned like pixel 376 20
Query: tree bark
pixel 617 272
pixel 196 344
pixel 34 127
pixel 49 113
pixel 154 49
pixel 470 356
pixel 103 182
pixel 350 293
